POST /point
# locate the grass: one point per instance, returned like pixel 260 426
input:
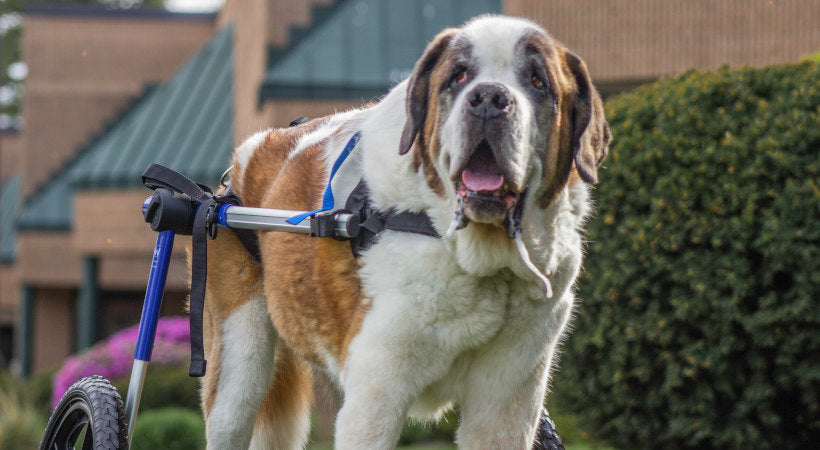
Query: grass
pixel 21 424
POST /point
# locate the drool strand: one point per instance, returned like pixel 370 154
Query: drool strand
pixel 525 256
pixel 459 221
pixel 514 229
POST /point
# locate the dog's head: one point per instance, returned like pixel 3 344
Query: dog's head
pixel 498 110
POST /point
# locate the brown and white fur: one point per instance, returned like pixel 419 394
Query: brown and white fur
pixel 418 323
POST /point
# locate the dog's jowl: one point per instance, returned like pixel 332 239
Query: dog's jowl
pixel 491 146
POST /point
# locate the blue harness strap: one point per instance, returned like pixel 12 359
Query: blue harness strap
pixel 327 199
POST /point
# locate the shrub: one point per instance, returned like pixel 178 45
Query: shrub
pixel 699 314
pixel 170 429
pixel 39 390
pixel 114 356
pixel 165 385
pixel 21 424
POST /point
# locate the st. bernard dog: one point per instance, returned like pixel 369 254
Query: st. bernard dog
pixel 495 136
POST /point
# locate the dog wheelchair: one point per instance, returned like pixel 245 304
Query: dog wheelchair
pixel 91 414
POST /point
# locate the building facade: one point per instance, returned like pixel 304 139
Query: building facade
pixel 109 92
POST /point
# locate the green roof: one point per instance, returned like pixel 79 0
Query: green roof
pixel 363 48
pixel 50 208
pixel 9 202
pixel 185 124
pixel 52 204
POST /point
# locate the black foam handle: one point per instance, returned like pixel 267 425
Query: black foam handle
pixel 169 211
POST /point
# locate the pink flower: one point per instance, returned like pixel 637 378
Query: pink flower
pixel 113 357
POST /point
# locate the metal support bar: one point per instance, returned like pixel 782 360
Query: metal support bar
pixel 153 295
pixel 167 211
pixel 148 325
pixel 344 225
pixel 132 400
pixel 261 219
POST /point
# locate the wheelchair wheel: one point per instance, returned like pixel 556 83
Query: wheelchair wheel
pixel 547 437
pixel 89 416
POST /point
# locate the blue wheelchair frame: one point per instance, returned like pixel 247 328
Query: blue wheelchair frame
pixel 231 217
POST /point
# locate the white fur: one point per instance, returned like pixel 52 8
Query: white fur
pixel 245 150
pixel 324 132
pixel 246 372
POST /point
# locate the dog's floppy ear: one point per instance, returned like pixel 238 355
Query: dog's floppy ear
pixel 418 88
pixel 589 133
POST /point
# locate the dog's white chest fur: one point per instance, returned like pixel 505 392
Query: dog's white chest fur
pixel 455 331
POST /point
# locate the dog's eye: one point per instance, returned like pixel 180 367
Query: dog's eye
pixel 460 77
pixel 537 82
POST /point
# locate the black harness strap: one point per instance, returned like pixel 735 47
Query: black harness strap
pixel 248 238
pixel 204 227
pixel 373 221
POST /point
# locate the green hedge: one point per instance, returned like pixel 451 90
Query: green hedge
pixel 700 299
pixel 169 429
pixel 165 386
pixel 21 422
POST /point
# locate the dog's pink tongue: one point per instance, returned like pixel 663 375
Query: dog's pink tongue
pixel 481 181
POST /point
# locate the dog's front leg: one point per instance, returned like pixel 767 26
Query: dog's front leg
pixel 384 373
pixel 501 417
pixel 505 388
pixel 371 417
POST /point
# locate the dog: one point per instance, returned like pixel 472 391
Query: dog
pixel 495 138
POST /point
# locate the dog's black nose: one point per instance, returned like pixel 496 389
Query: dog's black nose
pixel 489 100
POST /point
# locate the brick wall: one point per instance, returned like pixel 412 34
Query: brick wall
pixel 53 327
pixel 109 224
pixel 646 39
pixel 11 154
pixel 9 293
pixel 284 14
pixel 83 69
pixel 46 258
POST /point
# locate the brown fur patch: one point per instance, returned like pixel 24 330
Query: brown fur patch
pixel 294 272
pixel 289 396
pixel 422 109
pixel 558 162
pixel 423 157
pixel 270 157
pixel 311 284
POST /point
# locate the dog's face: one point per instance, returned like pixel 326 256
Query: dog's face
pixel 499 110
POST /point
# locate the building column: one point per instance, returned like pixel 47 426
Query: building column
pixel 88 304
pixel 25 342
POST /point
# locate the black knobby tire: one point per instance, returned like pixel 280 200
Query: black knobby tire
pixel 90 416
pixel 546 437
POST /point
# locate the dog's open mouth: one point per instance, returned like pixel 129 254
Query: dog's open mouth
pixel 483 189
pixel 484 196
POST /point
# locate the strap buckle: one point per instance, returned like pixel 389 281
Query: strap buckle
pixel 212 219
pixel 340 224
